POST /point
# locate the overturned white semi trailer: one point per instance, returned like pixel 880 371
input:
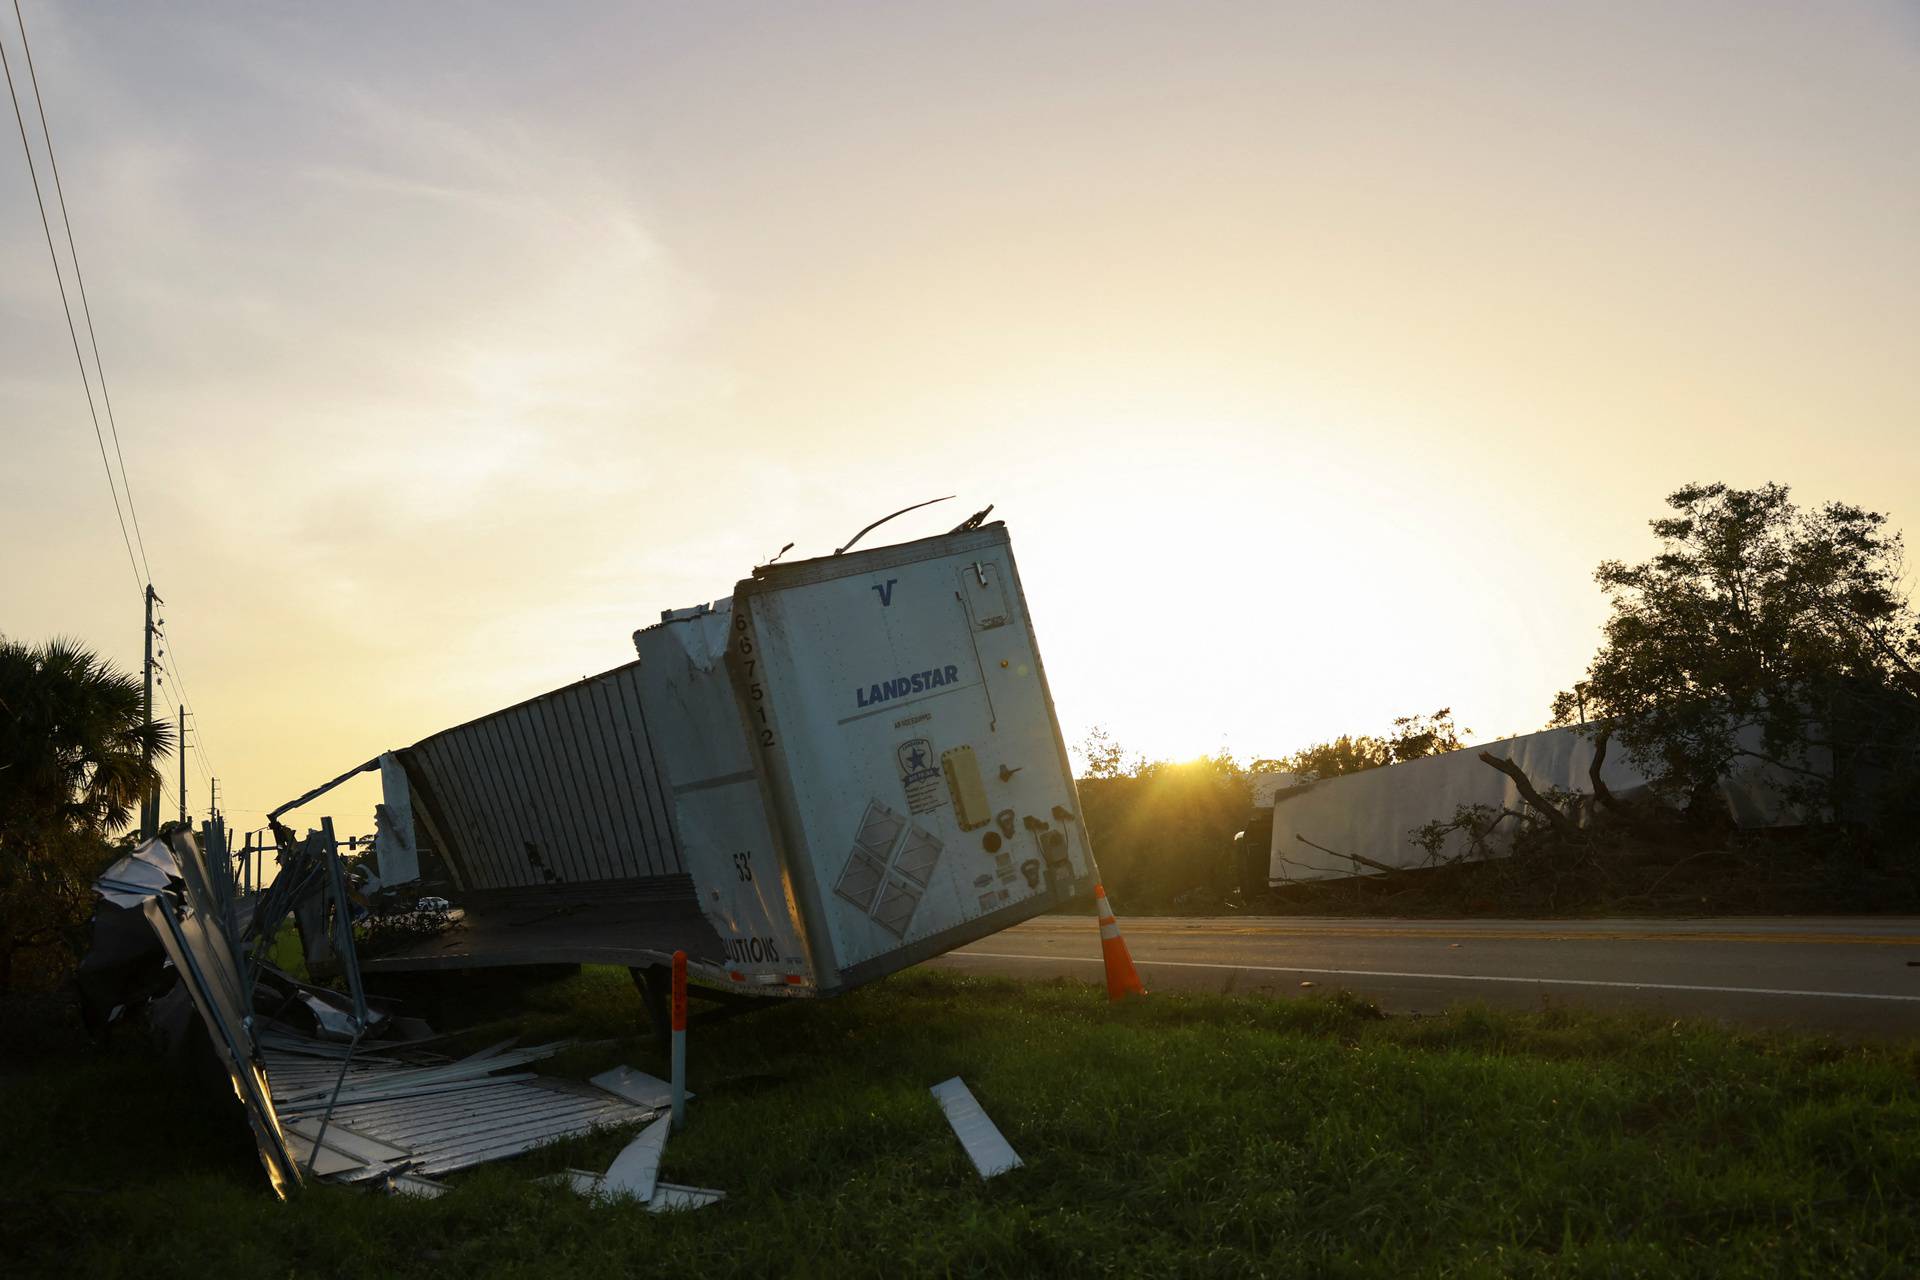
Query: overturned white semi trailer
pixel 1363 824
pixel 850 765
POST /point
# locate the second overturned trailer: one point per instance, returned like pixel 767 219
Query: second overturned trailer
pixel 848 766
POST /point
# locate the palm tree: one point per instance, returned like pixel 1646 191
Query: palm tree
pixel 73 743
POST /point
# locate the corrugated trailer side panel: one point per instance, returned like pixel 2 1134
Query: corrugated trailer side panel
pixel 561 789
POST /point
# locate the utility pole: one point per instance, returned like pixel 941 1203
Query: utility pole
pixel 181 751
pixel 150 791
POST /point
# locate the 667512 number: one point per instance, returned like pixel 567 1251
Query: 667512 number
pixel 757 696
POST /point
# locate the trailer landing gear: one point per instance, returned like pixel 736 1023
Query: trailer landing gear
pixel 654 982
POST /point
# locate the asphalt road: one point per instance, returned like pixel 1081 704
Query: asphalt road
pixel 1857 976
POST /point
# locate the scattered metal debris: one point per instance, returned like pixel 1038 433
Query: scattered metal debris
pixel 985 1145
pixel 671 1197
pixel 668 1197
pixel 343 925
pixel 211 977
pixel 458 1124
pixel 388 1113
pixel 634 1176
pixel 636 1169
pixel 326 1101
pixel 637 1087
pixel 407 1080
pixel 407 1184
pixel 136 876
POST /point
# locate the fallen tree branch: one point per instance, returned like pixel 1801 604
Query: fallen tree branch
pixel 1602 793
pixel 1363 861
pixel 1634 816
pixel 1554 817
pixel 1782 764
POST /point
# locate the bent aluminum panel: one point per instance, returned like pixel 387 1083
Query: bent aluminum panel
pixel 637 1168
pixel 455 1125
pixel 211 977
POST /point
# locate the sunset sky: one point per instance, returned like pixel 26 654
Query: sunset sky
pixel 1313 353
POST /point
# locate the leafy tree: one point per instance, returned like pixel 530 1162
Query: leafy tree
pixel 1412 738
pixel 1761 631
pixel 72 739
pixel 1415 737
pixel 1163 831
pixel 1105 757
pixel 1221 765
pixel 1345 754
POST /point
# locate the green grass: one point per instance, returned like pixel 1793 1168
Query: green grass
pixel 1180 1135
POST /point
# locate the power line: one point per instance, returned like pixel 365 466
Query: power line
pixel 168 662
pixel 169 668
pixel 173 667
pixel 198 758
pixel 59 277
pixel 86 310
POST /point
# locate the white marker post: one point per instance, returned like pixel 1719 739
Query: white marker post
pixel 679 1040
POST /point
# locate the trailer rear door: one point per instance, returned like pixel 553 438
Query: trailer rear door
pixel 899 708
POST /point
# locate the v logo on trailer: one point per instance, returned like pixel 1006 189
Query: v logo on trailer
pixel 886 591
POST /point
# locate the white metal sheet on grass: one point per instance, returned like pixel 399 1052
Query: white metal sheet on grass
pixel 637 1087
pixel 668 1197
pixel 430 1120
pixel 406 1184
pixel 637 1168
pixel 985 1145
pixel 671 1197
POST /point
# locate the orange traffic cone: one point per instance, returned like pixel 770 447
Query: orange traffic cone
pixel 1122 978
